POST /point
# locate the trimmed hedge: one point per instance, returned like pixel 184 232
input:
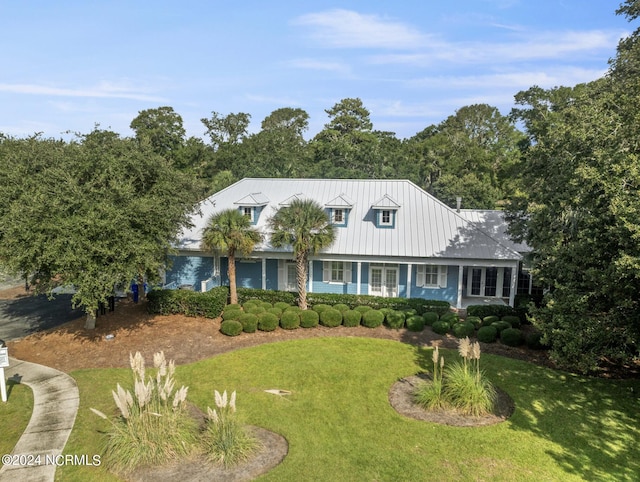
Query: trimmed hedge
pixel 267 322
pixel 308 318
pixel 330 318
pixel 364 309
pixel 512 337
pixel 481 311
pixel 489 320
pixel 430 317
pixel 270 296
pixel 440 327
pixel 231 327
pixel 415 323
pixel 463 329
pixel 501 326
pixel 320 307
pixel 190 303
pixel 396 319
pixel 450 317
pixel 282 305
pixel 533 340
pixel 351 318
pixel 341 307
pixel 487 334
pixel 231 313
pixel 513 320
pixel 477 322
pixel 372 318
pixel 275 311
pixel 249 322
pixel 290 320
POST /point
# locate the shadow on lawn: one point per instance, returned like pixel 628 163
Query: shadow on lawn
pixel 593 421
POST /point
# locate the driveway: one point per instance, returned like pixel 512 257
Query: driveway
pixel 22 316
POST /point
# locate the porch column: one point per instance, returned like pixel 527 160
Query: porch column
pixel 264 273
pixel 310 287
pixel 358 277
pixel 460 285
pixel 514 284
pixel 409 280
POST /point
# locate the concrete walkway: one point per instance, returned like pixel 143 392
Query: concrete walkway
pixel 55 405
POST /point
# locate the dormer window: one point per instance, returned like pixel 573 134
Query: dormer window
pixel 385 209
pixel 248 212
pixel 338 216
pixel 252 205
pixel 338 210
pixel 385 217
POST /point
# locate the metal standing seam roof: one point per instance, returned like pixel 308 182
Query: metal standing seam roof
pixel 424 226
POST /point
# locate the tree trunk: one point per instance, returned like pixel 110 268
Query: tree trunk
pixel 90 323
pixel 301 271
pixel 233 293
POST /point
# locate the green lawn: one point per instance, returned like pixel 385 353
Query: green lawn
pixel 14 415
pixel 340 426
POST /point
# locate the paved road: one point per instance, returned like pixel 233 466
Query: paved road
pixel 22 316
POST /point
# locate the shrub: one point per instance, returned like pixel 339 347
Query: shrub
pixel 231 314
pixel 267 322
pixel 225 441
pixel 487 334
pixel 295 308
pixel 266 305
pixel 282 305
pixel 482 311
pixel 513 320
pixel 415 323
pixel 372 318
pixel 308 318
pixel 271 296
pixel 463 329
pixel 231 327
pixel 410 312
pixel 430 317
pixel 351 318
pixel 363 309
pixel 450 317
pixel 512 337
pixel 153 412
pixel 290 320
pixel 341 307
pixel 249 322
pixel 249 305
pixel 533 340
pixel 190 303
pixel 275 311
pixel 430 395
pixel 233 306
pixel 489 320
pixel 330 317
pixel 477 322
pixel 440 327
pixel 395 319
pixel 500 326
pixel 320 307
pixel 386 311
pixel 258 310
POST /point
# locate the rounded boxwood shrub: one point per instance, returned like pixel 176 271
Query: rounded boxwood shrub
pixel 410 312
pixel 266 305
pixel 395 319
pixel 232 314
pixel 281 304
pixel 364 309
pixel 430 317
pixel 233 306
pixel 275 311
pixel 250 304
pixel 257 310
pixel 308 318
pixel 500 326
pixel 351 318
pixel 231 327
pixel 341 307
pixel 293 308
pixel 476 321
pixel 533 340
pixel 512 337
pixel 441 327
pixel 371 318
pixel 330 318
pixel 487 334
pixel 450 317
pixel 290 320
pixel 249 322
pixel 267 322
pixel 386 311
pixel 488 320
pixel 513 320
pixel 463 329
pixel 415 323
pixel 320 307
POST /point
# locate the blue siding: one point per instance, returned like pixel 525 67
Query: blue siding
pixel 320 286
pixel 402 281
pixel 189 270
pixel 272 274
pixel 450 293
pixel 364 273
pixel 248 275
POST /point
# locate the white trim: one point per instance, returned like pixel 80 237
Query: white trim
pixel 264 273
pixel 358 277
pixel 514 285
pixel 409 269
pixel 460 286
pixel 310 275
pixel 384 290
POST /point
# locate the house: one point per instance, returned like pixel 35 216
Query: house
pixel 393 239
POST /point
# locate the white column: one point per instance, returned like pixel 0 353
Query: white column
pixel 359 277
pixel 409 280
pixel 499 282
pixel 264 273
pixel 514 284
pixel 310 287
pixel 460 279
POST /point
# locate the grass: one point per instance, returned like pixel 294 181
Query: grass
pixel 338 419
pixel 14 415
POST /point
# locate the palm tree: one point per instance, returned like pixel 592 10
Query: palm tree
pixel 305 227
pixel 230 231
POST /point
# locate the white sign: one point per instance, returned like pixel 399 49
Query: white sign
pixel 4 357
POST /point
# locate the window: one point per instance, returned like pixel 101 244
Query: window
pixel 336 272
pixel 338 216
pixel 431 276
pixel 248 212
pixel 385 217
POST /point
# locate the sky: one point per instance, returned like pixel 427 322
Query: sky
pixel 70 65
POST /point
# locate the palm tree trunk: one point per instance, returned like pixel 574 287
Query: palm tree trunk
pixel 301 272
pixel 231 256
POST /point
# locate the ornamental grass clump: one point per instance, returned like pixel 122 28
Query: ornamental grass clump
pixel 430 395
pixel 153 426
pixel 225 440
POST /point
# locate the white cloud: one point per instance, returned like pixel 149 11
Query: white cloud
pixel 315 64
pixel 102 90
pixel 348 29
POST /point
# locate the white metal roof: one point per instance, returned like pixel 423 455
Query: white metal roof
pixel 493 223
pixel 424 226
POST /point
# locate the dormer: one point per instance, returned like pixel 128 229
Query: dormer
pixel 338 210
pixel 296 197
pixel 385 209
pixel 252 205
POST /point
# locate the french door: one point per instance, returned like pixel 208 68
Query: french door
pixel 383 281
pixel 490 282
